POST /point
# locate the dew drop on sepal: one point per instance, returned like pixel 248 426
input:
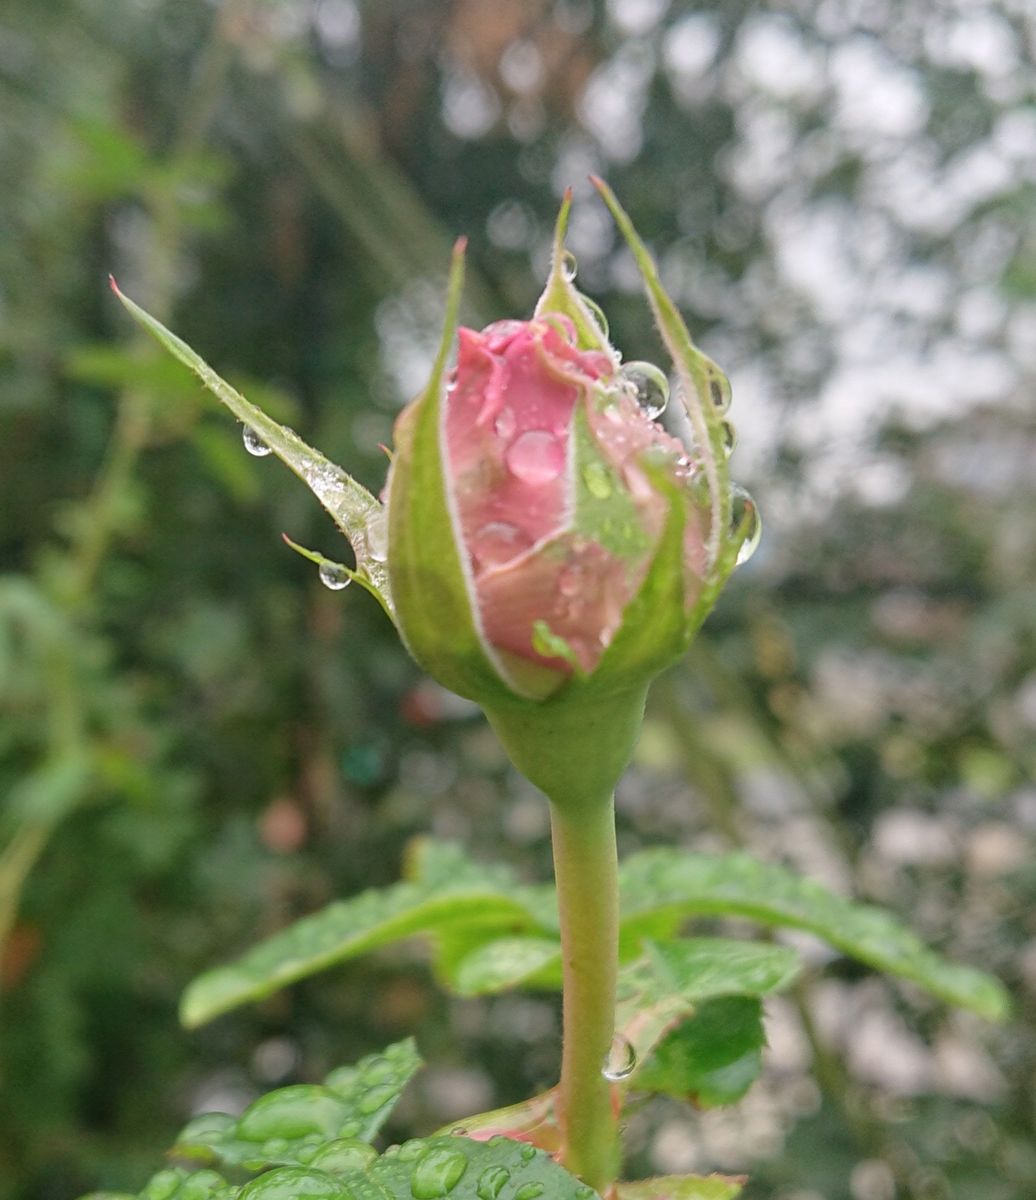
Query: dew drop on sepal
pixel 620 1061
pixel 744 515
pixel 719 388
pixel 649 387
pixel 334 576
pixel 254 444
pixel 568 266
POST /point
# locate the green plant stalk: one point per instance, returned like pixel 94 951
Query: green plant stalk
pixel 586 869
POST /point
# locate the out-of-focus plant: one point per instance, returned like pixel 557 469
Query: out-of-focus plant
pixel 545 549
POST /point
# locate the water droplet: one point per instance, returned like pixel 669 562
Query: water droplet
pixel 491 1182
pixel 597 313
pixel 377 535
pixel 597 480
pixel 459 1131
pixel 536 457
pixel 378 1070
pixel 334 576
pixel 291 1112
pixel 285 1183
pixel 345 1154
pixel 744 514
pixel 620 1061
pixel 376 1098
pixel 584 1192
pixel 568 265
pixel 529 1191
pixel 499 542
pixel 570 581
pixel 412 1149
pixel 350 1129
pixel 437 1173
pixel 505 424
pixel 254 444
pixel 649 387
pixel 276 1145
pixel 719 388
pixel 500 333
pixel 527 1153
pixel 729 438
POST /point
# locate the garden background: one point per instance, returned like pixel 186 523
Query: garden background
pixel 198 742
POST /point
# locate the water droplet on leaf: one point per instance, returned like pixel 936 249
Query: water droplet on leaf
pixel 529 1191
pixel 527 1153
pixel 620 1061
pixel 744 516
pixel 254 444
pixel 163 1185
pixel 535 457
pixel 437 1173
pixel 376 1098
pixel 649 387
pixel 345 1154
pixel 491 1182
pixel 334 576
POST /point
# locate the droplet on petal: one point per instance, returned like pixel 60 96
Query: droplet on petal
pixel 334 576
pixel 649 387
pixel 497 543
pixel 535 457
pixel 500 333
pixel 621 1060
pixel 744 516
pixel 254 444
pixel 505 424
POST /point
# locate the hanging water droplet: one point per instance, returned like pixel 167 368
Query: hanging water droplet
pixel 719 388
pixel 729 436
pixel 598 315
pixel 568 265
pixel 437 1173
pixel 649 387
pixel 535 457
pixel 491 1182
pixel 505 424
pixel 620 1061
pixel 598 483
pixel 334 576
pixel 744 517
pixel 254 444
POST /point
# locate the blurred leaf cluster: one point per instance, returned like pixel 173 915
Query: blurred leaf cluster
pixel 199 744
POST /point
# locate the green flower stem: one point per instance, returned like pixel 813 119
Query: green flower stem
pixel 586 869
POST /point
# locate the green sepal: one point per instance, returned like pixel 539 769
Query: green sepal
pixel 697 374
pixel 434 600
pixel 353 508
pixel 562 296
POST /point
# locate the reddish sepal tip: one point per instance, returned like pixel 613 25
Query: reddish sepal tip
pixel 113 285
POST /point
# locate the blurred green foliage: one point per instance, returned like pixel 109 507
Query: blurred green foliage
pixel 198 743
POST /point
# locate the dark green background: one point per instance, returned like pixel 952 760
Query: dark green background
pixel 198 742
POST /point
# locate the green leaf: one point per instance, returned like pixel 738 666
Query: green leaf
pixel 674 978
pixel 683 1187
pixel 713 1058
pixel 503 962
pixel 421 1169
pixel 287 1126
pixel 677 885
pixel 354 509
pixel 349 928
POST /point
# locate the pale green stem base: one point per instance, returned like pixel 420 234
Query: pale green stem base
pixel 587 879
